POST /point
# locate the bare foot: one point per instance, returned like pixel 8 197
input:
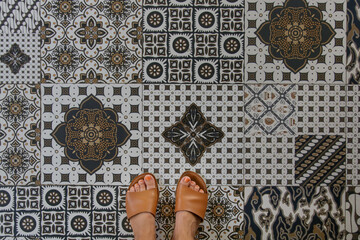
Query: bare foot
pixel 143 224
pixel 187 223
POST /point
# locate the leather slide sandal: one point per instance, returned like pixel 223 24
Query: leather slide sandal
pixel 145 201
pixel 189 200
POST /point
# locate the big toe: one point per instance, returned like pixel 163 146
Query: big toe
pixel 185 181
pixel 150 182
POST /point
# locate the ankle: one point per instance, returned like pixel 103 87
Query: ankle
pixel 143 226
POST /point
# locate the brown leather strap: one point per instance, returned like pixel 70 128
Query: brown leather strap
pixel 139 202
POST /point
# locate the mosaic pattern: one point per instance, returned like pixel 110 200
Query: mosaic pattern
pixel 270 109
pixel 193 41
pixel 295 41
pixel 222 106
pixel 19 16
pixel 91 41
pixel 352 213
pixel 268 161
pixel 19 134
pixel 91 133
pixel 353 42
pixel 281 212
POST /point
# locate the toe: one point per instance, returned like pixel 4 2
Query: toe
pixel 192 185
pixel 185 181
pixel 142 185
pixel 137 187
pixel 197 188
pixel 150 182
pixel 132 189
pixel 201 191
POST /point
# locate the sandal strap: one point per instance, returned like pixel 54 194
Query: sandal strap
pixel 139 202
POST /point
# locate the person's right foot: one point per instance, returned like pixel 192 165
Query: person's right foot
pixel 187 223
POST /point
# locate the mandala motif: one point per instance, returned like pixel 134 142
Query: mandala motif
pixel 65 58
pixel 65 10
pixel 117 10
pixel 15 108
pixel 91 32
pixel 193 134
pixel 16 161
pixel 15 58
pixel 91 134
pixel 295 33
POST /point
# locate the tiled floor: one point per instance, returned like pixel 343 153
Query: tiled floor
pixel 261 98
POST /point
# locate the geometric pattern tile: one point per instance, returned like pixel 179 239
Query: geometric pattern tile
pixel 193 41
pixel 19 134
pixel 210 119
pixel 289 212
pixel 270 109
pixel 19 16
pixel 353 42
pixel 269 161
pixel 353 136
pixel 320 161
pixel 91 134
pixel 19 58
pixel 91 41
pixel 223 218
pixel 352 213
pixel 321 109
pixel 295 41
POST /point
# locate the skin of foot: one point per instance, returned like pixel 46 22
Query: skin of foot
pixel 187 223
pixel 143 224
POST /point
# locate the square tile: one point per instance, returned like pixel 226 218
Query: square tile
pixel 193 41
pixel 19 134
pixel 268 160
pixel 91 134
pixel 270 109
pixel 321 109
pixel 71 53
pixel 353 43
pixel 352 213
pixel 194 127
pixel 279 212
pixel 19 58
pixel 298 50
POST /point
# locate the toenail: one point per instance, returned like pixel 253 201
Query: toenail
pixel 141 181
pixel 187 179
pixel 148 177
pixel 193 183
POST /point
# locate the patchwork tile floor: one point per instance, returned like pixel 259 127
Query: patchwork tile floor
pixel 261 98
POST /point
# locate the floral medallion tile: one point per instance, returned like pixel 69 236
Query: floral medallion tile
pixel 193 41
pixel 352 213
pixel 295 41
pixel 91 41
pixel 270 109
pixel 19 16
pixel 289 212
pixel 194 127
pixel 321 109
pixel 353 42
pixel 268 161
pixel 91 133
pixel 19 134
pixel 19 58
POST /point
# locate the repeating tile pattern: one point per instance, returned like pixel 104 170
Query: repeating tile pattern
pixel 321 109
pixel 270 109
pixel 222 106
pixel 353 42
pixel 320 161
pixel 352 212
pixel 353 136
pixel 19 58
pixel 223 218
pixel 269 161
pixel 19 16
pixel 19 134
pixel 282 212
pixel 295 53
pixel 193 41
pixel 91 134
pixel 91 41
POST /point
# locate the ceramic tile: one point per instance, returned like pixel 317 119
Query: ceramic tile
pixel 269 160
pixel 281 46
pixel 19 134
pixel 91 133
pixel 193 41
pixel 353 136
pixel 352 213
pixel 283 212
pixel 270 109
pixel 19 16
pixel 353 42
pixel 71 52
pixel 321 109
pixel 19 58
pixel 320 160
pixel 194 127
pixel 223 218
